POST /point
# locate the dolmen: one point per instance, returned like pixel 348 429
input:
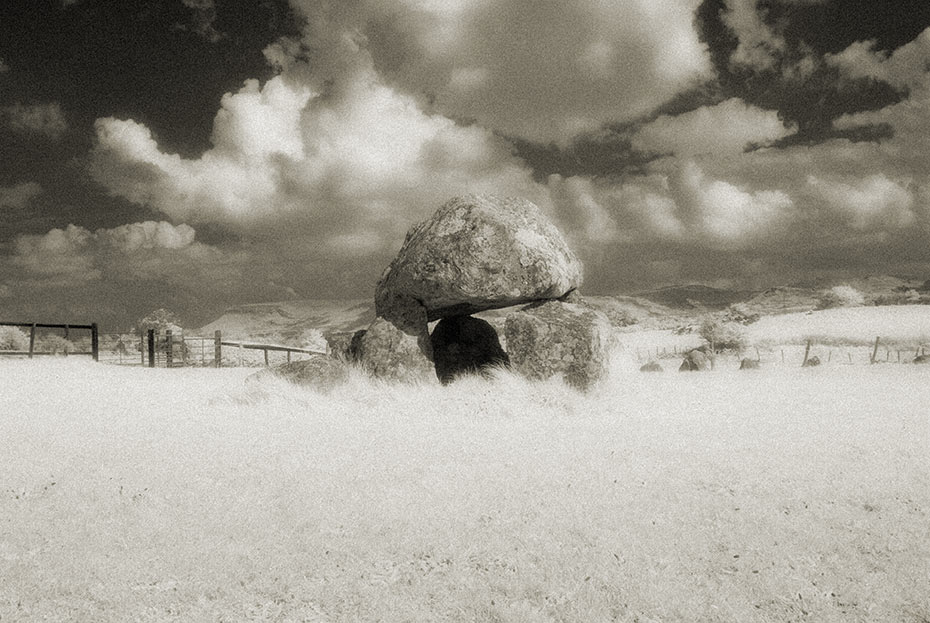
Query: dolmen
pixel 479 253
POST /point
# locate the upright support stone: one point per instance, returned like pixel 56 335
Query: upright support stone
pixel 559 339
pixel 398 348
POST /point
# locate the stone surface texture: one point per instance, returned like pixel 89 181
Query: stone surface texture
pixel 695 361
pixel 344 344
pixel 320 372
pixel 465 345
pixel 476 253
pixel 559 339
pixel 387 352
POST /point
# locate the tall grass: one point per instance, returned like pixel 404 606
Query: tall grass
pixel 192 495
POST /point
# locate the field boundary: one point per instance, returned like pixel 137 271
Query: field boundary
pixel 32 326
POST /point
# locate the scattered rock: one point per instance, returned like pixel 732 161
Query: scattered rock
pixel 749 364
pixel 387 352
pixel 556 338
pixel 476 253
pixel 695 361
pixel 319 372
pixel 811 362
pixel 465 345
pixel 652 366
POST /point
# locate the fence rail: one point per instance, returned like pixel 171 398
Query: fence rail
pixel 32 326
pixel 172 350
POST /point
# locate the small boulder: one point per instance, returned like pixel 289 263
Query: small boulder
pixel 922 359
pixel 811 362
pixel 319 372
pixel 749 364
pixel 477 253
pixel 556 338
pixel 695 361
pixel 465 345
pixel 652 366
pixel 387 352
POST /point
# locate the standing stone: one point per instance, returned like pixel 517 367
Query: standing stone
pixel 477 253
pixel 556 338
pixel 465 345
pixel 695 361
pixel 391 352
pixel 318 372
pixel 344 344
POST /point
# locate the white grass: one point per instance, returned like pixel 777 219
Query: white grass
pixel 899 324
pixel 189 495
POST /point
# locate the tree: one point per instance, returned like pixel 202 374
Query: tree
pixel 55 344
pixel 841 296
pixel 161 320
pixel 723 334
pixel 12 338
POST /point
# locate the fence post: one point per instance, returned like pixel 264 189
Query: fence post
pixel 874 352
pixel 32 339
pixel 67 336
pixel 806 352
pixel 169 355
pixel 288 356
pixel 266 355
pixel 151 348
pixel 94 340
pixel 217 348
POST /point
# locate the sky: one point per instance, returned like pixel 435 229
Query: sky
pixel 198 154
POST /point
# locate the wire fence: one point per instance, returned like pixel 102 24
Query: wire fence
pixel 149 348
pixel 792 355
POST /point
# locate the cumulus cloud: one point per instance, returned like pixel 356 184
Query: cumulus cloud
pixel 541 71
pixel 867 204
pixel 725 128
pixel 343 165
pixel 905 68
pixel 76 254
pixel 723 213
pixel 759 45
pixel 45 119
pixel 18 197
pixel 58 255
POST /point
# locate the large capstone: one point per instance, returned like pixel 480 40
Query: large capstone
pixel 476 253
pixel 555 338
pixel 465 345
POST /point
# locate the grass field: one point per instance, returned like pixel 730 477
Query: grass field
pixel 131 494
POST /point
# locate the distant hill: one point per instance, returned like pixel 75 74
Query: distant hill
pixel 303 323
pixel 695 296
pixel 295 323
